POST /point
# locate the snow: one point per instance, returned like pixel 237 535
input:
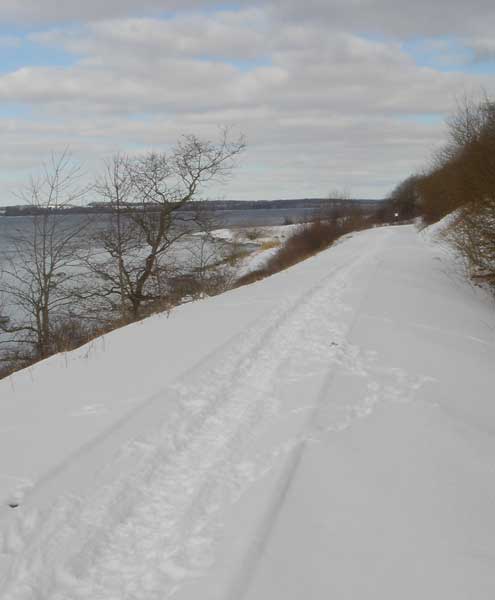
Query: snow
pixel 258 244
pixel 326 432
pixel 435 231
pixel 256 260
pixel 268 240
pixel 259 235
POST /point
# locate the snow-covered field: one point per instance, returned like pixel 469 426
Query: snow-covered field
pixel 327 432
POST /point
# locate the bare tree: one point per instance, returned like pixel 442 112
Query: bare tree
pixel 148 195
pixel 40 282
pixel 119 238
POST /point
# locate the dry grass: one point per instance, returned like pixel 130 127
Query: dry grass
pixel 269 245
pixel 307 241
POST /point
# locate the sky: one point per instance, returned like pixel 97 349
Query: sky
pixel 332 95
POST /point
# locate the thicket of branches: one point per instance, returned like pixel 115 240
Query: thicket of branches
pixel 146 194
pixel 67 279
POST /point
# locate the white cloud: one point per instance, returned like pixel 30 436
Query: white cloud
pixel 388 17
pixel 484 48
pixel 49 11
pixel 322 106
pixel 401 18
pixel 286 157
pixel 137 66
pixel 240 35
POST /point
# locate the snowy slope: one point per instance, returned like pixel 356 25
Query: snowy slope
pixel 266 242
pixel 327 432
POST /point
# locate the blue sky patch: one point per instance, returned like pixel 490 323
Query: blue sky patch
pixel 32 54
pixel 424 118
pixel 446 54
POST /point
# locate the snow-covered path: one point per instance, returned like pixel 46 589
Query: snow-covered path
pixel 332 437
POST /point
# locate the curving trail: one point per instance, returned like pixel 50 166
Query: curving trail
pixel 324 449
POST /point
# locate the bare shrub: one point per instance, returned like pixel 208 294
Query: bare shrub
pixel 253 234
pixel 72 333
pixel 462 178
pixel 472 234
pixel 306 241
pixel 268 245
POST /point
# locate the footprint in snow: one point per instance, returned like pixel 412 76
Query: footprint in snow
pixel 16 496
pixel 90 410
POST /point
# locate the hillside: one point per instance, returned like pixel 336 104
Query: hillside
pixel 326 432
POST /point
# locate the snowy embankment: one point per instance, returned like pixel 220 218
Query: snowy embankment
pixel 326 432
pixel 265 242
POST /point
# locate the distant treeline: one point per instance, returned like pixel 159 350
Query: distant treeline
pixel 106 208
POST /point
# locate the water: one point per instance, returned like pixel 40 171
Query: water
pixel 221 218
pixel 260 217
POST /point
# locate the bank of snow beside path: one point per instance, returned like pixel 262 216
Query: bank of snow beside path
pixel 326 432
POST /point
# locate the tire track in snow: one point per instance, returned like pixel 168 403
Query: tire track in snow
pixel 153 528
pixel 392 385
pixel 335 355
